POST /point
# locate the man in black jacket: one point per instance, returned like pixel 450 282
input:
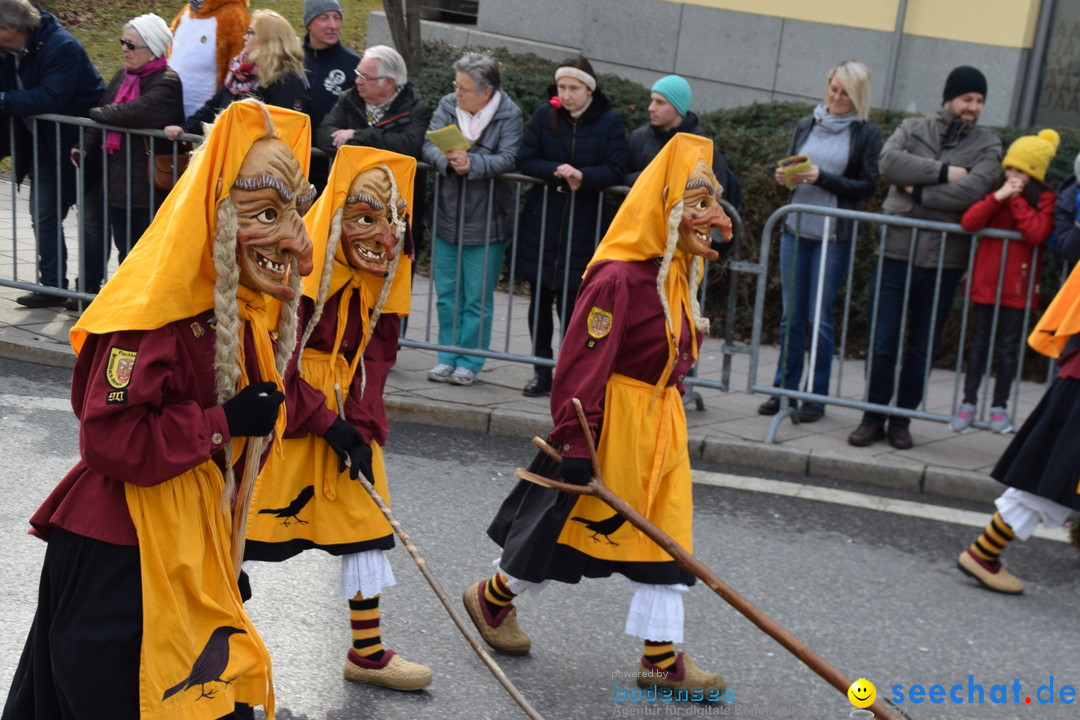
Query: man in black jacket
pixel 329 66
pixel 45 70
pixel 669 113
pixel 385 112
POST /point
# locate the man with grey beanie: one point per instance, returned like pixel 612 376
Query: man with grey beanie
pixel 936 167
pixel 329 66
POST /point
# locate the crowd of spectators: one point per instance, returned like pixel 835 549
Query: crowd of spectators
pixel 936 167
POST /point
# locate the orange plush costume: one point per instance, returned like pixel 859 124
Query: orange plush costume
pixel 206 36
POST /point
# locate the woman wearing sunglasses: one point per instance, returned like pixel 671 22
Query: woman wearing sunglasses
pixel 144 93
pixel 269 68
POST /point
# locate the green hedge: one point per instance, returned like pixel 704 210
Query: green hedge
pixel 752 138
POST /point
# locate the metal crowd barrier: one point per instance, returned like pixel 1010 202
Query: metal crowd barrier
pixel 91 200
pixel 837 396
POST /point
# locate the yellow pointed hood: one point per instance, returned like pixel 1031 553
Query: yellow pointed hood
pixel 169 274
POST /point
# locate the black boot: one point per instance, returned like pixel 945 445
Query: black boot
pixel 77 305
pixel 540 383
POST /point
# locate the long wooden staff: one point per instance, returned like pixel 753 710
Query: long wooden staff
pixel 687 561
pixel 437 588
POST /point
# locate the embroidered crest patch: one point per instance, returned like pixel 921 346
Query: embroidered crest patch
pixel 121 364
pixel 599 323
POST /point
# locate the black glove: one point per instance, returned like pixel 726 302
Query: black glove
pixel 349 444
pixel 253 410
pixel 576 471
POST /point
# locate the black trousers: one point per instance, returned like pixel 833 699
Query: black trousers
pixel 81 659
pixel 541 322
pixel 1006 350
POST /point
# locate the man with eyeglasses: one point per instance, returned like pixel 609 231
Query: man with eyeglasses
pixel 385 112
pixel 43 69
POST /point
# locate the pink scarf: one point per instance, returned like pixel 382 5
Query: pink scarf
pixel 130 90
pixel 243 75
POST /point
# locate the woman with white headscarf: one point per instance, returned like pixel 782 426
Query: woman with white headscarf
pixel 144 93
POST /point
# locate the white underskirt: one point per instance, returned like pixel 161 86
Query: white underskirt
pixel 1024 510
pixel 366 573
pixel 656 612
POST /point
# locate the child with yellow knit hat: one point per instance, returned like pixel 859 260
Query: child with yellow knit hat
pixel 1025 204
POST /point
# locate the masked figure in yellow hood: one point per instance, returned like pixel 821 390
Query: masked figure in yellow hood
pixel 1042 463
pixel 140 616
pixel 633 337
pixel 350 314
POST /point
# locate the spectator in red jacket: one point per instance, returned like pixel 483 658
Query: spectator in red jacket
pixel 1022 203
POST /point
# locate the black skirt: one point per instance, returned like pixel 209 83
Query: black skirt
pixel 527 527
pixel 1044 457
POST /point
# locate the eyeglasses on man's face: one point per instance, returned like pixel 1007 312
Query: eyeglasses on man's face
pixel 365 78
pixel 130 45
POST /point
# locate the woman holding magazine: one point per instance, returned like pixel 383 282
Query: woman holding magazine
pixel 473 214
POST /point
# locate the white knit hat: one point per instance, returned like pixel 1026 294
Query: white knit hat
pixel 154 31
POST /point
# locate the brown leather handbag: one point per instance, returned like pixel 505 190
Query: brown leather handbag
pixel 160 166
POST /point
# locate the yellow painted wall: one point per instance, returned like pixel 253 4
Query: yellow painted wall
pixel 1004 23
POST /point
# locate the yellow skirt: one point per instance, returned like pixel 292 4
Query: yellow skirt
pixel 644 460
pixel 200 652
pixel 302 496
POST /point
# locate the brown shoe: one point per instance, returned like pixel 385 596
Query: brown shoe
pixel 992 577
pixel 866 434
pixel 684 675
pixel 899 437
pixel 391 671
pixel 501 631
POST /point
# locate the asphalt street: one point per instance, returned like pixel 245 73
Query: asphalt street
pixel 875 593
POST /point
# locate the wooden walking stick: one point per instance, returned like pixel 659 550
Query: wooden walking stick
pixel 687 561
pixel 252 455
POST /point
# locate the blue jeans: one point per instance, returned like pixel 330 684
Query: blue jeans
pixel 920 314
pixel 48 207
pixel 465 278
pixel 800 265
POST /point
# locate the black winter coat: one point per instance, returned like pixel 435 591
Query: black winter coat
pixel 288 91
pixel 648 140
pixel 57 77
pixel 596 145
pixel 160 103
pixel 401 130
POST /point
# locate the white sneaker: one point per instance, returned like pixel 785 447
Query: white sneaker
pixel 962 420
pixel 464 376
pixel 999 420
pixel 441 373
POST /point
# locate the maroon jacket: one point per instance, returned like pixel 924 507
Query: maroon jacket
pixel 635 346
pixel 164 421
pixel 366 412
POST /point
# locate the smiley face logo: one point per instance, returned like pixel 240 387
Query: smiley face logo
pixel 862 693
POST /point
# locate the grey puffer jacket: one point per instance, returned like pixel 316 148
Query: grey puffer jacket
pixel 494 153
pixel 918 154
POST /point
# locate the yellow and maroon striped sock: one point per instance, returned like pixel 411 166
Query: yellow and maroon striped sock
pixel 660 654
pixel 364 618
pixel 993 540
pixel 496 594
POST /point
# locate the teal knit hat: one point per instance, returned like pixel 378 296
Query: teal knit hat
pixel 677 92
